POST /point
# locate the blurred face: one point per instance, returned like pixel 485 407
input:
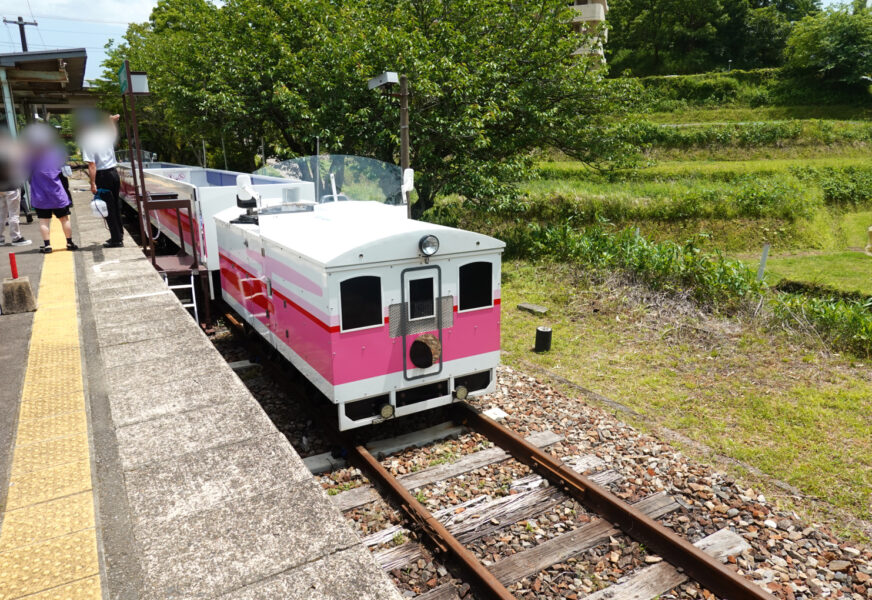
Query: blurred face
pixel 39 137
pixel 11 166
pixel 89 120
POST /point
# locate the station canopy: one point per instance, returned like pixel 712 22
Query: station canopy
pixel 53 79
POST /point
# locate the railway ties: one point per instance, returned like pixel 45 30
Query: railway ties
pixel 530 496
pixel 450 531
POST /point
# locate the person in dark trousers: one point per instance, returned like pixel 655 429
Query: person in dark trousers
pixel 97 142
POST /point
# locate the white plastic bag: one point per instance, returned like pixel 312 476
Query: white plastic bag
pixel 98 207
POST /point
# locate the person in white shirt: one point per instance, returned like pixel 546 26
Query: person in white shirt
pixel 97 142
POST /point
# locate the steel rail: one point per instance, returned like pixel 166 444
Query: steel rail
pixel 683 555
pixel 441 539
pixel 479 576
pixel 676 550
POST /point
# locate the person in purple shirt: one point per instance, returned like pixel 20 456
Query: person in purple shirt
pixel 47 194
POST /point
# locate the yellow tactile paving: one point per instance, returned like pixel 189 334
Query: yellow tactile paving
pixel 62 425
pixel 84 589
pixel 28 525
pixel 47 484
pixel 55 562
pixel 49 406
pixel 48 540
pixel 47 453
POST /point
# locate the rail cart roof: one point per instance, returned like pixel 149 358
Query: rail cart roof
pixel 340 234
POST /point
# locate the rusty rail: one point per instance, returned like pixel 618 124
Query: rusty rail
pixel 673 548
pixel 478 574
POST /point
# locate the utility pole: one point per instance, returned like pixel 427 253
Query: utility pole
pixel 21 24
pixel 404 123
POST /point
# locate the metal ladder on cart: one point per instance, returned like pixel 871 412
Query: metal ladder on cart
pixel 181 264
pixel 185 286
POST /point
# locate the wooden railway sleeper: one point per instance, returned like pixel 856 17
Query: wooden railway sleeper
pixel 675 549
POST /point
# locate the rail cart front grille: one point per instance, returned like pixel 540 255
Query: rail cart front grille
pixel 474 381
pixel 401 325
pixel 365 409
pixel 422 393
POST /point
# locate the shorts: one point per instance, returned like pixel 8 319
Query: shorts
pixel 46 213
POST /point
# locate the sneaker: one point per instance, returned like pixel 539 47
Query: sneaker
pixel 72 246
pixel 45 249
pixel 21 242
pixel 111 244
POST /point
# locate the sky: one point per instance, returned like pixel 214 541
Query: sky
pixel 85 24
pixel 82 24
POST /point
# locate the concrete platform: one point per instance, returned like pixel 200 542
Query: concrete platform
pixel 194 493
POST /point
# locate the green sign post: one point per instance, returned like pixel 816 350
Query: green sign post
pixel 122 77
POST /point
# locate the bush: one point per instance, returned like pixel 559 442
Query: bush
pixel 842 187
pixel 842 323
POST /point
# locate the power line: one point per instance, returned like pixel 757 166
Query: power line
pixel 34 22
pixel 50 47
pixel 104 21
pixel 8 34
pixel 76 32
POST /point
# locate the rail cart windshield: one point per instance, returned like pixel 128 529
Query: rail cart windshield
pixel 340 177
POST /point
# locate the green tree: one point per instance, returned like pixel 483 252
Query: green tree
pixel 793 10
pixel 656 37
pixel 490 82
pixel 834 47
pixel 764 37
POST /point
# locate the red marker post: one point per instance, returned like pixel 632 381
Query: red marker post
pixel 13 266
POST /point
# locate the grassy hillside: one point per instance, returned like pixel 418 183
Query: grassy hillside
pixel 685 336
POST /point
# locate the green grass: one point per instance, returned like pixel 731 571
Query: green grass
pixel 843 271
pixel 855 225
pixel 802 417
pixel 763 113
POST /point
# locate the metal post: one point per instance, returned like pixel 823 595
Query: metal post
pixel 224 152
pixel 136 182
pixel 9 104
pixel 317 168
pixel 761 271
pixel 204 151
pixel 404 132
pixel 144 224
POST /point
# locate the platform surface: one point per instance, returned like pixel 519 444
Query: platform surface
pixel 139 465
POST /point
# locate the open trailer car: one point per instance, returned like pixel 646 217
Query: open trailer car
pixel 385 315
pixel 210 191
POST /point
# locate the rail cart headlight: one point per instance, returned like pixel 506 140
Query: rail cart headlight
pixel 461 392
pixel 386 411
pixel 429 245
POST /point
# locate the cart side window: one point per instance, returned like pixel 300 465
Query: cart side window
pixel 476 283
pixel 361 302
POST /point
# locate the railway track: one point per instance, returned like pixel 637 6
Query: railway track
pixel 448 532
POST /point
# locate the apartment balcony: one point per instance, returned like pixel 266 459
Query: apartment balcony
pixel 589 13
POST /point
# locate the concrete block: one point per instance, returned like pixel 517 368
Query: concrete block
pixel 134 405
pixel 185 343
pixel 163 325
pixel 350 573
pixel 201 481
pixel 175 435
pixel 534 309
pixel 159 369
pixel 237 544
pixel 17 296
